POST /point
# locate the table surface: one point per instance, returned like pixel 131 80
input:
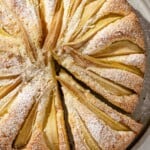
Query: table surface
pixel 143 6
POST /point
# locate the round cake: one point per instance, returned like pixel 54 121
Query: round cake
pixel 70 73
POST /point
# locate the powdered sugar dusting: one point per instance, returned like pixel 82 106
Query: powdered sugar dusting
pixel 120 30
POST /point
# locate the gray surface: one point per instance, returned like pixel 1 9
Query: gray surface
pixel 144 143
pixel 143 110
pixel 143 6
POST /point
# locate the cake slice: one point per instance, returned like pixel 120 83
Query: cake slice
pixel 116 89
pixel 93 123
pixel 48 131
pixel 17 110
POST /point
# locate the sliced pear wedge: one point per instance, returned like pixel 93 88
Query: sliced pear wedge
pixel 55 29
pixel 70 7
pixel 6 89
pixel 50 130
pixel 129 60
pixel 88 61
pixel 4 108
pixel 16 28
pixel 89 10
pixel 110 86
pixel 81 97
pixel 7 101
pixel 74 5
pixel 117 65
pixel 63 138
pixel 118 48
pixel 26 130
pixel 91 32
pixel 8 77
pixel 46 112
pixel 90 141
pixel 3 32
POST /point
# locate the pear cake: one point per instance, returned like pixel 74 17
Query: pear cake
pixel 70 71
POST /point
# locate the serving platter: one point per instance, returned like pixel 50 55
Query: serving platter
pixel 142 112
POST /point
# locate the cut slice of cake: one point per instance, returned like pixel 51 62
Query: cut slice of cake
pixel 93 123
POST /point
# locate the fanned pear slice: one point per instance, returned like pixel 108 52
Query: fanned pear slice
pixel 17 33
pixel 55 28
pixel 76 99
pixel 111 86
pixel 26 130
pixel 8 88
pixel 91 61
pixel 51 132
pixel 8 77
pixel 136 60
pixel 89 10
pixel 37 139
pixel 28 13
pixel 74 20
pixel 118 48
pixel 61 122
pixel 55 132
pixel 74 5
pixel 89 140
pixel 116 65
pixel 97 27
pixel 3 32
pixel 47 12
pixel 118 31
pixel 125 77
pixel 7 101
